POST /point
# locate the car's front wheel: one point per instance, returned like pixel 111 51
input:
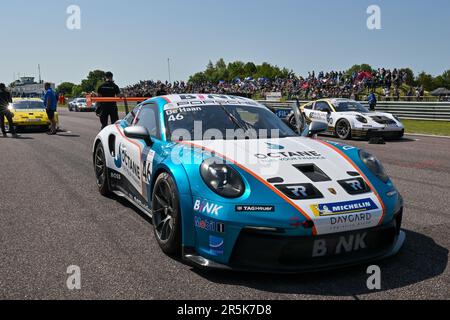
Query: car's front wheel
pixel 166 214
pixel 343 130
pixel 101 170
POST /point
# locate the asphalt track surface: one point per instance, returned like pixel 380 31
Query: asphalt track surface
pixel 51 217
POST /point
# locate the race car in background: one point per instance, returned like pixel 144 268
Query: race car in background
pixel 80 105
pixel 30 114
pixel 260 199
pixel 348 119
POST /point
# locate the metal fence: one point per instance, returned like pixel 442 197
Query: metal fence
pixel 439 111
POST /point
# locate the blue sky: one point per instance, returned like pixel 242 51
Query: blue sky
pixel 134 38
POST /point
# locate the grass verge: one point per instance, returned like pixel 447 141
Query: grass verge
pixel 439 128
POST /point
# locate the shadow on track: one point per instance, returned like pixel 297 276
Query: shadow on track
pixel 419 260
pixel 18 138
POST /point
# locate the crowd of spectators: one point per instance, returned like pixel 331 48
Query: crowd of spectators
pixel 314 86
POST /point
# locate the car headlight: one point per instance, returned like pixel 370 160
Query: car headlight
pixel 222 178
pixel 374 165
pixel 10 106
pixel 361 119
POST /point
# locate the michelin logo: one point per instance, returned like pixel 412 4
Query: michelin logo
pixel 357 206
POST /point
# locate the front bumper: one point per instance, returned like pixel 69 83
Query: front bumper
pixel 272 253
pixel 383 133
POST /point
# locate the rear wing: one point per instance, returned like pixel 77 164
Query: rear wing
pixel 90 100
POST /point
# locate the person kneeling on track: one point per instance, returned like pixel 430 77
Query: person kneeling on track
pixel 5 100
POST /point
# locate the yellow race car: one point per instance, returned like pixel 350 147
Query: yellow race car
pixel 30 114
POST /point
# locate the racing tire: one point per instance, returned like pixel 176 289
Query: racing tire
pixel 166 215
pixel 343 130
pixel 101 171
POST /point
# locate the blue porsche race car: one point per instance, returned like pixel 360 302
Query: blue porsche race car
pixel 228 185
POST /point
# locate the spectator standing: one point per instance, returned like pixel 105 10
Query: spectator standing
pixel 51 104
pixel 5 100
pixel 108 110
pixel 372 99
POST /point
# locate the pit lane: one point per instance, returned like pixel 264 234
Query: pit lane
pixel 51 217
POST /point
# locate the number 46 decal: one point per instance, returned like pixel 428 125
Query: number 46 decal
pixel 177 117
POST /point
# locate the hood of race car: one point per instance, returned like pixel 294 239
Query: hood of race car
pixel 312 177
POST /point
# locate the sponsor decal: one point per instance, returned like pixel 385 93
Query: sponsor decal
pixel 116 176
pixel 118 158
pixel 209 225
pixel 332 191
pixel 301 191
pixel 351 219
pixel 345 244
pixel 355 186
pixel 341 145
pixel 290 156
pixel 216 246
pixel 274 146
pixel 206 207
pixel 341 208
pixel 148 167
pixel 295 222
pixel 123 159
pixel 253 208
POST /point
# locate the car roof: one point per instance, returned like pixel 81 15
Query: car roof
pixel 176 101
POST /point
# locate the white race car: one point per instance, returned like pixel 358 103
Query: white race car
pixel 349 119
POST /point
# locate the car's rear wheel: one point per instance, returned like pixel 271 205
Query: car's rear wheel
pixel 343 130
pixel 166 214
pixel 101 171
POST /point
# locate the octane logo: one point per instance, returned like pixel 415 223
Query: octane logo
pixel 118 158
pixel 274 146
pixel 206 207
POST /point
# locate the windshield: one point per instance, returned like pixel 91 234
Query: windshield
pixel 81 100
pixel 27 105
pixel 224 122
pixel 350 106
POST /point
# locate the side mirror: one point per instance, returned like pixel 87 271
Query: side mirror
pixel 315 128
pixel 140 133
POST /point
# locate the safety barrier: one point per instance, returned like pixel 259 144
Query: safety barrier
pixel 439 111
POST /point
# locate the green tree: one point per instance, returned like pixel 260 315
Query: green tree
pixel 442 80
pixel 237 69
pixel 93 80
pixel 358 68
pixel 426 80
pixel 77 91
pixel 410 80
pixel 65 87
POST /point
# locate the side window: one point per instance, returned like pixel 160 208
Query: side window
pixel 309 106
pixel 322 106
pixel 147 118
pixel 129 119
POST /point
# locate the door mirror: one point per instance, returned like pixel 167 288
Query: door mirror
pixel 315 128
pixel 140 133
